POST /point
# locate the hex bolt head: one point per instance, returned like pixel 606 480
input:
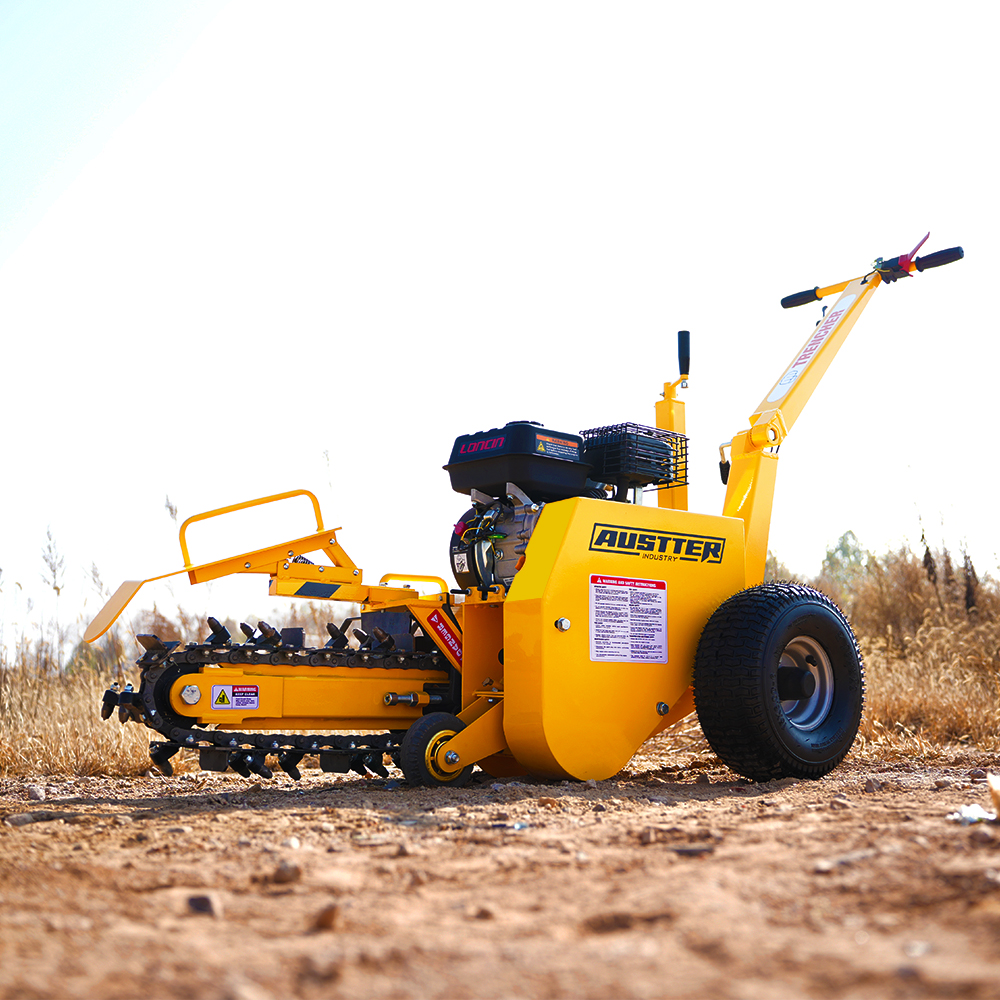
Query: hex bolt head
pixel 662 708
pixel 451 757
pixel 191 694
pixel 563 624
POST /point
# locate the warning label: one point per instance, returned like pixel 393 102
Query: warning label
pixel 443 632
pixel 241 696
pixel 628 619
pixel 555 447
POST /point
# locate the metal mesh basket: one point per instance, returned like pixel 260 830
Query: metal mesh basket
pixel 632 455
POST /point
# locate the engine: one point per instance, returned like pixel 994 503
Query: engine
pixel 510 473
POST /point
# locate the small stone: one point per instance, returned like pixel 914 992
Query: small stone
pixel 840 803
pixel 124 820
pixel 292 843
pixel 327 828
pixel 981 835
pixel 599 807
pixel 648 836
pixel 328 919
pixel 244 842
pixel 977 772
pixel 582 857
pixel 549 802
pixel 943 782
pixel 591 783
pixel 286 872
pixel 404 851
pixel 208 903
pixel 23 819
pixel 871 785
pixel 36 793
pixel 703 779
pixel 480 913
pixel 180 829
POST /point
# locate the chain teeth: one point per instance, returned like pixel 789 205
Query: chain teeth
pixel 245 752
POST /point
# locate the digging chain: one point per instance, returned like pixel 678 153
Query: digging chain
pixel 164 662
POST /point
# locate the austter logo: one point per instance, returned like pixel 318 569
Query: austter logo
pixel 658 545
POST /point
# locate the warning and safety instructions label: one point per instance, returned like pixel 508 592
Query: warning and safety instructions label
pixel 241 696
pixel 628 619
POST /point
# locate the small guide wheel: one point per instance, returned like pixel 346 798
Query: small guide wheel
pixel 418 754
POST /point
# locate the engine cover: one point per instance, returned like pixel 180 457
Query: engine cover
pixel 546 464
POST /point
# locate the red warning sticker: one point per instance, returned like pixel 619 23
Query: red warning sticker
pixel 443 631
pixel 245 697
pixel 628 619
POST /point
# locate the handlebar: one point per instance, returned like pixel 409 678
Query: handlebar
pixel 898 267
pixel 938 259
pixel 684 351
pixel 800 298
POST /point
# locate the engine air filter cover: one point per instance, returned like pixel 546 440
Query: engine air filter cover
pixel 631 455
pixel 546 464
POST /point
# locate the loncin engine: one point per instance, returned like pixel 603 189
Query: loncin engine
pixel 512 472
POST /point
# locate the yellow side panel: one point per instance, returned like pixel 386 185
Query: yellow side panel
pixel 579 702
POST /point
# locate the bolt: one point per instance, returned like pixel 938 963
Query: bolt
pixel 291 554
pixel 451 757
pixel 246 565
pixel 487 681
pixel 662 708
pixel 321 569
pixel 355 572
pixel 563 624
pixel 285 565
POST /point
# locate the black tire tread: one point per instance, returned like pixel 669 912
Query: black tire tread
pixel 732 713
pixel 415 743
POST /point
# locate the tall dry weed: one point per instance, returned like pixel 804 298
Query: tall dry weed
pixel 50 721
pixel 930 633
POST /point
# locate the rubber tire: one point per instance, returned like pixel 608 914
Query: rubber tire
pixel 413 752
pixel 736 684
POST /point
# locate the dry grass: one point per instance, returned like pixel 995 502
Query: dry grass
pixel 50 722
pixel 930 632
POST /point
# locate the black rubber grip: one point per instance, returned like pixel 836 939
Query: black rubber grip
pixel 939 258
pixel 800 298
pixel 684 351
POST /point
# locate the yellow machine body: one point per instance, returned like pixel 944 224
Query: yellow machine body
pixel 587 655
pixel 601 625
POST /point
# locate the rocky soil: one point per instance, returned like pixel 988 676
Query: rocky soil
pixel 674 879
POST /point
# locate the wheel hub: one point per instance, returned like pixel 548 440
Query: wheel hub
pixel 805 683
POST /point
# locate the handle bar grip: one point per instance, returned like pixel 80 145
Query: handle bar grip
pixel 684 351
pixel 800 298
pixel 938 259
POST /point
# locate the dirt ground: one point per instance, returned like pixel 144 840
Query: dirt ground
pixel 674 879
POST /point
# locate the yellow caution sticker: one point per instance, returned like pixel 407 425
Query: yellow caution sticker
pixel 245 697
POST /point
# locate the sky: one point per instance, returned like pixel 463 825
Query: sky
pixel 247 249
